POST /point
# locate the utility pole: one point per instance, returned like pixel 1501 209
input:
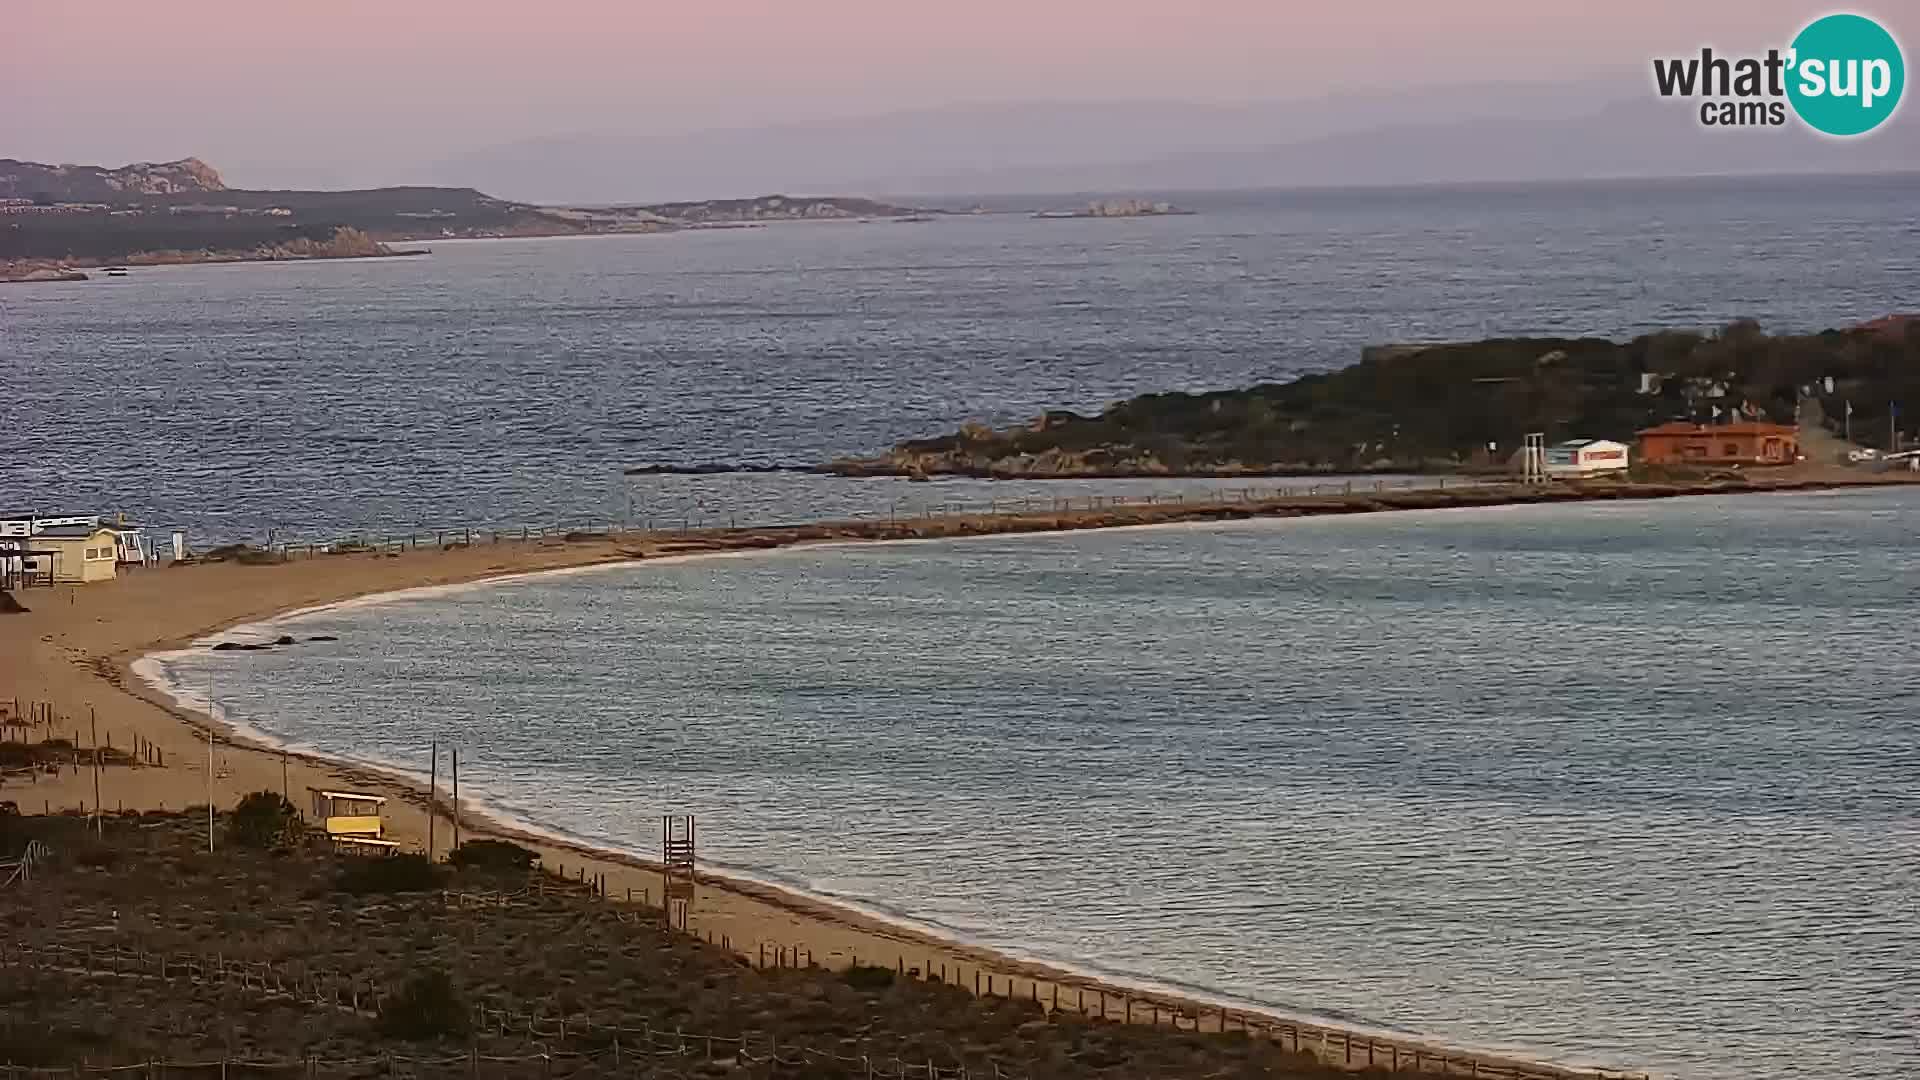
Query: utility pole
pixel 209 789
pixel 210 761
pixel 93 718
pixel 456 801
pixel 433 792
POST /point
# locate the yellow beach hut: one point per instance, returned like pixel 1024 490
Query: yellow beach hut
pixel 352 819
pixel 81 553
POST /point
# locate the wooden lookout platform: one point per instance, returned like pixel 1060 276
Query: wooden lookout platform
pixel 678 877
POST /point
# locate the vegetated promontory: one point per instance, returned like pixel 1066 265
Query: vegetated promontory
pixel 1452 407
pixel 58 217
pixel 54 218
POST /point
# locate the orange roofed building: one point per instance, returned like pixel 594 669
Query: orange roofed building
pixel 1745 443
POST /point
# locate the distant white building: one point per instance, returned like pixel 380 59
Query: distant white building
pixel 1576 458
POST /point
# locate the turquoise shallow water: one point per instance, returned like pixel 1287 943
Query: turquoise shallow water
pixel 1625 783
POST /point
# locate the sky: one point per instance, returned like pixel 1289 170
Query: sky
pixel 369 91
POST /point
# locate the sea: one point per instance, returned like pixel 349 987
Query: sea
pixel 1622 784
pixel 510 382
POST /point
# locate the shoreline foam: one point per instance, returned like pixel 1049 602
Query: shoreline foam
pixel 505 820
pixel 109 628
pixel 483 806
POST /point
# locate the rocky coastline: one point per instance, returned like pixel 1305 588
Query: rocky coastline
pixel 345 243
pixel 1109 465
pixel 1444 408
pixel 29 272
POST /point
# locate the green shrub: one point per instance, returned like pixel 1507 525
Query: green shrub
pixel 427 1007
pixel 394 874
pixel 263 819
pixel 244 554
pixel 861 977
pixel 499 855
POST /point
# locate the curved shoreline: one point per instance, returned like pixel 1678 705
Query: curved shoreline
pixel 744 911
pixel 506 822
pixel 1193 1002
pixel 151 669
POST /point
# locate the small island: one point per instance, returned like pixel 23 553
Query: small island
pixel 781 208
pixel 1453 408
pixel 1116 208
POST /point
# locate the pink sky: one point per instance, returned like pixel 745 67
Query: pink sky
pixel 243 81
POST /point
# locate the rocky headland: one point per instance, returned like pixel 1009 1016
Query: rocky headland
pixel 1444 408
pixel 55 218
pixel 96 183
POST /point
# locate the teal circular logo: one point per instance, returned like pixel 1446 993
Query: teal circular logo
pixel 1847 75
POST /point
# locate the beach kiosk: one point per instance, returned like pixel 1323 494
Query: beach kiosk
pixel 352 820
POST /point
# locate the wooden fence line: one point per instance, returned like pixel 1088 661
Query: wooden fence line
pixel 364 998
pixel 1332 1045
pixel 327 989
pixel 19 719
pixel 270 980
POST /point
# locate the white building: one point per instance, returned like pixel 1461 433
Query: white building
pixel 1578 458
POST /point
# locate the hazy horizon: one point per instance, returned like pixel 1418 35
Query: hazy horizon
pixel 597 101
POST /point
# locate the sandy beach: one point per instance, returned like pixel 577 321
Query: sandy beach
pixel 75 646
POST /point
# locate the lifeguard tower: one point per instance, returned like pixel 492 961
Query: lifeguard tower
pixel 679 879
pixel 352 820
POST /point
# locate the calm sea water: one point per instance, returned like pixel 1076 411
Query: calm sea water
pixel 1622 783
pixel 510 381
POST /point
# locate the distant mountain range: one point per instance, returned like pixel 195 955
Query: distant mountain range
pixel 1596 128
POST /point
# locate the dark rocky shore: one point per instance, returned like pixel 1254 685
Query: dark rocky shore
pixel 1445 408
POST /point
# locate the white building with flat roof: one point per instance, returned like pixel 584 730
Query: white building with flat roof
pixel 1577 458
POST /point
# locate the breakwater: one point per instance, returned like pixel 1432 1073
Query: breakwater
pixel 719 529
